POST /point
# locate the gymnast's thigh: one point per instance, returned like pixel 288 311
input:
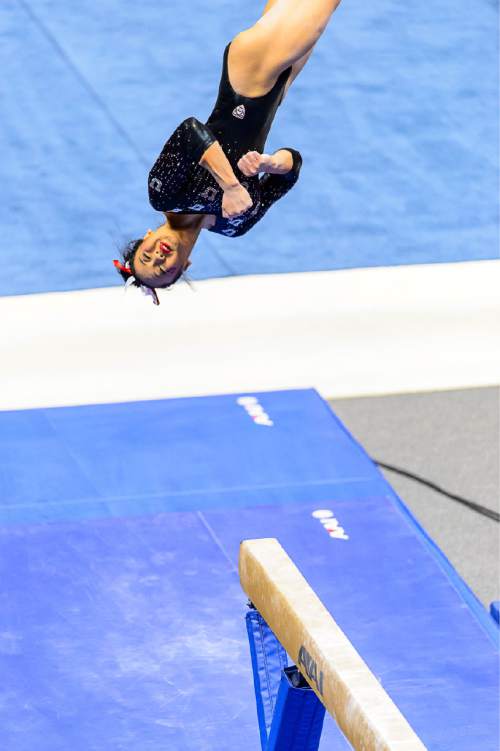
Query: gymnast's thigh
pixel 285 34
pixel 250 72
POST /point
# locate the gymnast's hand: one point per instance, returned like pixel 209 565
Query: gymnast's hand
pixel 236 201
pixel 252 163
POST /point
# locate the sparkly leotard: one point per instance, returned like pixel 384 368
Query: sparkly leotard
pixel 240 124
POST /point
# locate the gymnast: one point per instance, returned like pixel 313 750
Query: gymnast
pixel 207 175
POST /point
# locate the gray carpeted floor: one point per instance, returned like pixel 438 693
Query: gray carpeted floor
pixel 452 439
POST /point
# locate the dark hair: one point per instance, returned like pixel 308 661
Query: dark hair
pixel 128 254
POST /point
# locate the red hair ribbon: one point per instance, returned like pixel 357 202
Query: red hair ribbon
pixel 120 266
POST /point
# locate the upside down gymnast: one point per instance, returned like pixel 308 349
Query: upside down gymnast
pixel 207 175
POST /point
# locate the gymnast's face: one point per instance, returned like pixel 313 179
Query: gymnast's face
pixel 160 257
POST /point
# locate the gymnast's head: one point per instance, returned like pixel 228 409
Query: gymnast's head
pixel 159 259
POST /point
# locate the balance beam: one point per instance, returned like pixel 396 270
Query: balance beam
pixel 324 655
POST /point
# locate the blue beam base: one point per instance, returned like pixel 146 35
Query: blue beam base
pixel 268 660
pixel 298 717
pixel 290 714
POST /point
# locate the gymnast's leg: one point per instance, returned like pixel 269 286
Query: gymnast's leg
pixel 298 64
pixel 283 36
pixel 294 27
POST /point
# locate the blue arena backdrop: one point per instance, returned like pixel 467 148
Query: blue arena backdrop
pixel 396 117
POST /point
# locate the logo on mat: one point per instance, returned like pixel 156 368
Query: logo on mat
pixel 239 111
pixel 255 410
pixel 330 523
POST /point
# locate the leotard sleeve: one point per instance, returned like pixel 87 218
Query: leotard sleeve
pixel 272 188
pixel 181 153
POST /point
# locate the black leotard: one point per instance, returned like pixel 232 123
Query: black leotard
pixel 240 124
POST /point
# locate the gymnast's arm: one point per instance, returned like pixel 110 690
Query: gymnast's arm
pixel 194 143
pixel 236 199
pixel 280 176
pixel 280 163
pixel 283 175
pixel 180 154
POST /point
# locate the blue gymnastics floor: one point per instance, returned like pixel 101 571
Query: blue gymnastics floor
pixel 396 116
pixel 121 623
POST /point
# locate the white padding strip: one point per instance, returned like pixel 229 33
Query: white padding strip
pixel 347 333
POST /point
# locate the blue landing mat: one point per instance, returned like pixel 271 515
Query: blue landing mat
pixel 177 454
pixel 125 631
